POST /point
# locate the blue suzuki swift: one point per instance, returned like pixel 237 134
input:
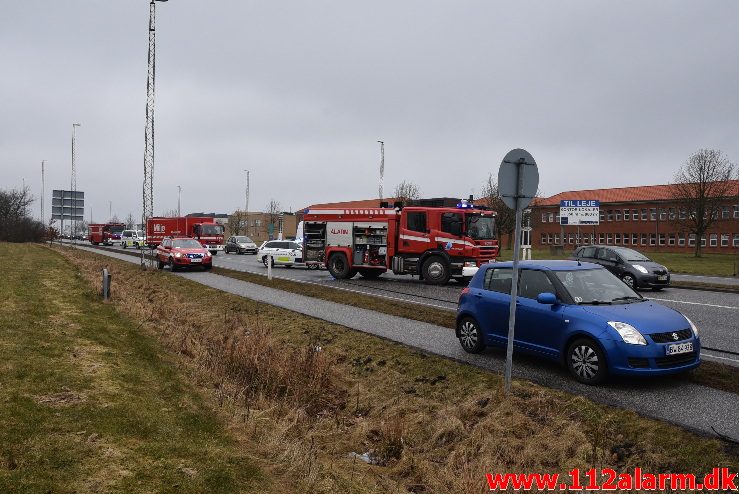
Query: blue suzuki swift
pixel 580 314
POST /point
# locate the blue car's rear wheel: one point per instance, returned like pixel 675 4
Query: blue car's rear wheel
pixel 586 361
pixel 470 336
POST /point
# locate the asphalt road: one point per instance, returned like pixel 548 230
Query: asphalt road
pixel 689 405
pixel 715 313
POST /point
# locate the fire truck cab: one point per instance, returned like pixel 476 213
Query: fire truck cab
pixel 434 242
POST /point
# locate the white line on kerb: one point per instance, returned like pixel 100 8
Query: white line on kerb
pixel 704 354
pixel 693 303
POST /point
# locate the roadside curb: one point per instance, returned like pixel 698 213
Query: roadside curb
pixel 706 287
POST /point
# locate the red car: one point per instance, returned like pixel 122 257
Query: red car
pixel 183 252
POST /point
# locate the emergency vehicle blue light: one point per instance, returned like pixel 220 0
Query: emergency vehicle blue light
pixel 465 204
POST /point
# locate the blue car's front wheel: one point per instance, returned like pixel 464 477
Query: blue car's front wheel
pixel 469 335
pixel 586 361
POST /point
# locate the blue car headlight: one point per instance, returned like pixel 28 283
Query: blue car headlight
pixel 692 326
pixel 628 333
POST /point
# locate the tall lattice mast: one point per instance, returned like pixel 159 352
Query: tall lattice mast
pixel 148 192
pixel 73 184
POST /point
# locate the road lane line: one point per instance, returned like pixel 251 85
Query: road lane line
pixel 693 303
pixel 704 354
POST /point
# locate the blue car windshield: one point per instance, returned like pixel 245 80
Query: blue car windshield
pixel 596 286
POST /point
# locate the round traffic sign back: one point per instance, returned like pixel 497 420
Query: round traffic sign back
pixel 518 179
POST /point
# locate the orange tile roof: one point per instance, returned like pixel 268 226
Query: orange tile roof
pixel 643 193
pixel 362 204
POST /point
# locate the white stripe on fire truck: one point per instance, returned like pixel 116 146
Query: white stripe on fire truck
pixel 389 212
pixel 411 237
pixel 455 241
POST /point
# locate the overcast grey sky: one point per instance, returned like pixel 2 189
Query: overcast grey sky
pixel 603 94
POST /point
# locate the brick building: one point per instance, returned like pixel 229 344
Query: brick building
pixel 263 226
pixel 645 218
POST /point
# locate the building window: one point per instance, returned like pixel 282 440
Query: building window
pixel 551 217
pixel 672 213
pixel 543 217
pixel 618 215
pixel 662 214
pixel 683 214
pixel 543 238
pixel 724 240
pixel 736 211
pixel 652 239
pixel 714 240
pixel 635 214
pixel 714 214
pixel 257 222
pixel 556 218
pixel 616 238
pixel 691 240
pixel 626 215
pixel 609 239
pixel 644 214
pixel 634 239
pixel 653 214
pixel 662 239
pixel 643 239
pixel 626 239
pixel 610 215
pixel 601 238
pixel 724 212
pixel 703 241
pixel 671 239
pixel 736 240
pixel 602 216
pixel 572 238
pixel 681 240
pixel 556 239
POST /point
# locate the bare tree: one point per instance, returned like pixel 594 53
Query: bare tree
pixel 16 225
pixel 405 191
pixel 237 223
pixel 505 221
pixel 130 221
pixel 700 188
pixel 170 213
pixel 114 219
pixel 273 212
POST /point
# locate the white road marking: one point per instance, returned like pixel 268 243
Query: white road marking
pixel 694 303
pixel 704 354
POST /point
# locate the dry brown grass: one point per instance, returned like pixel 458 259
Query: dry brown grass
pixel 428 424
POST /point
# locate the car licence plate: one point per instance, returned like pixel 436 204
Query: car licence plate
pixel 197 259
pixel 679 348
pixel 283 259
pixel 662 277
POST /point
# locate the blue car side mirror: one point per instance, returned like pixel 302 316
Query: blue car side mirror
pixel 547 298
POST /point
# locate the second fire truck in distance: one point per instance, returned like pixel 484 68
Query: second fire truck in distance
pixel 105 233
pixel 203 229
pixel 434 242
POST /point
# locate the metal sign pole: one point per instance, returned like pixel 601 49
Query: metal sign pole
pixel 514 285
pixel 518 180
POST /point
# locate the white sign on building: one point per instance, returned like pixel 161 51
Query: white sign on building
pixel 577 212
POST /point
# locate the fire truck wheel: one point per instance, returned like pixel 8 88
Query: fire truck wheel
pixel 339 268
pixel 436 270
pixel 172 265
pixel 370 274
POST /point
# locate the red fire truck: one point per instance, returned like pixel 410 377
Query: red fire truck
pixel 436 239
pixel 105 233
pixel 203 229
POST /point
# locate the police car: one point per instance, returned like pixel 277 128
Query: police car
pixel 132 238
pixel 283 252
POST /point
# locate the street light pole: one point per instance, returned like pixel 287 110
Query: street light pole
pixel 73 187
pixel 246 204
pixel 43 190
pixel 179 192
pixel 382 165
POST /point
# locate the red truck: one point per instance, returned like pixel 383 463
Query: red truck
pixel 105 233
pixel 434 242
pixel 203 229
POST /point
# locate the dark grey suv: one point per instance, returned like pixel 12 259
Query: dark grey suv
pixel 634 268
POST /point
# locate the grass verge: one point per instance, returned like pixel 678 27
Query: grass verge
pixel 427 424
pixel 712 374
pixel 90 402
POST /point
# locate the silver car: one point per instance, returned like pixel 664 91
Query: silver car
pixel 240 245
